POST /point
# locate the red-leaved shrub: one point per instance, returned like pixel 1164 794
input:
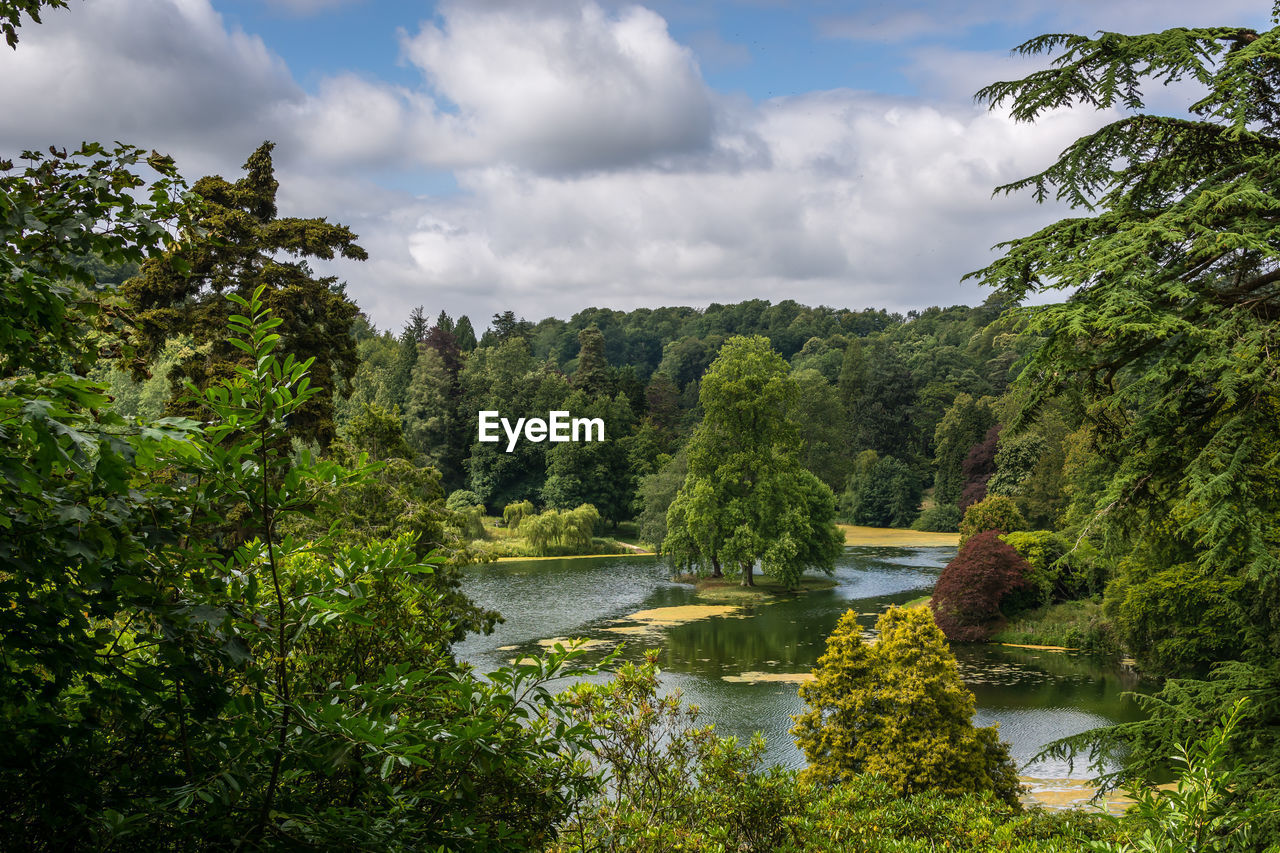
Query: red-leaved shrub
pixel 966 600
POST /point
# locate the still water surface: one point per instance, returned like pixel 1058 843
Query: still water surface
pixel 1035 695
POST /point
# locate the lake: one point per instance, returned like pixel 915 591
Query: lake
pixel 739 661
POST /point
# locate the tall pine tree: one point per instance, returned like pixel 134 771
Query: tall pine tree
pixel 238 244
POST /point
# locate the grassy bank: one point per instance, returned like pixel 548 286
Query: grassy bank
pixel 578 556
pixel 894 538
pixel 504 543
pixel 1072 625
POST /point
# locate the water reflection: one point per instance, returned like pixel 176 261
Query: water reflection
pixel 1035 695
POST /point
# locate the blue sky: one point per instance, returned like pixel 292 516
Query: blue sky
pixel 547 155
pixel 759 50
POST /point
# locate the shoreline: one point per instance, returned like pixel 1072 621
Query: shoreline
pixel 893 537
pixel 637 553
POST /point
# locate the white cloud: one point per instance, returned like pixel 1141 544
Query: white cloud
pixel 858 201
pixel 926 19
pixel 562 86
pixel 161 73
pixel 593 165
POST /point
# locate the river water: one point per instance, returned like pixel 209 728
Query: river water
pixel 735 663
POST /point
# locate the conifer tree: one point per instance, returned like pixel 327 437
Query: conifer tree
pixel 238 244
pixel 592 375
pixel 897 709
pixel 1173 268
pixel 963 426
pixel 464 334
pixel 411 338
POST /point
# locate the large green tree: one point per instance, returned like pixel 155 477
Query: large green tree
pixel 592 375
pixel 880 400
pixel 412 336
pixel 881 492
pixel 506 378
pixel 1169 332
pixel 821 428
pixel 746 498
pixel 238 244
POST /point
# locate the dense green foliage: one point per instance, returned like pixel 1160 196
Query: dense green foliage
pixel 230 705
pixel 513 514
pixel 746 499
pixel 657 491
pixel 881 492
pixel 1161 363
pixel 673 784
pixel 897 710
pixel 668 783
pixel 996 512
pixel 236 630
pixel 235 246
pixel 1054 572
pixel 1208 808
pixel 963 425
pixel 941 519
pixel 80 543
pixel 556 531
pixel 1169 335
pixel 1077 624
pixel 858 374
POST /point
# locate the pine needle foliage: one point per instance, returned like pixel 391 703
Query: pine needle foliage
pixel 237 245
pixel 1173 269
pixel 897 709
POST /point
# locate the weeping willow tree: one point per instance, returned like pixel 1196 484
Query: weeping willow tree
pixel 1169 336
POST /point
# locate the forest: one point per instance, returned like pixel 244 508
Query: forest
pixel 238 516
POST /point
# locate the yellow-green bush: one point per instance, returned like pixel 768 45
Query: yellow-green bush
pixel 994 512
pixel 898 709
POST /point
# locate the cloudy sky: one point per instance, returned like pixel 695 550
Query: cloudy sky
pixel 547 155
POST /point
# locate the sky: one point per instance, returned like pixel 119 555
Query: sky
pixel 544 156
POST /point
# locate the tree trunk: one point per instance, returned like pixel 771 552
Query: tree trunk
pixel 715 568
pixel 747 580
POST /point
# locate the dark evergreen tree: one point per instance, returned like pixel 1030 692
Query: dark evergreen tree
pixel 444 322
pixel 504 327
pixel 464 334
pixel 965 424
pixel 882 492
pixel 237 245
pixel 592 375
pixel 412 335
pixel 662 403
